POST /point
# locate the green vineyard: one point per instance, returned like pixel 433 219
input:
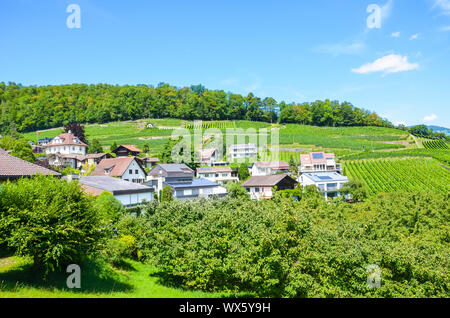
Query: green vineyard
pixel 435 144
pixel 282 156
pixel 210 124
pixel 390 175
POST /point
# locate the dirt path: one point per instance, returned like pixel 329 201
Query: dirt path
pixel 415 139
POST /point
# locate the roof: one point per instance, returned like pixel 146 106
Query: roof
pixel 130 148
pixel 242 146
pixel 326 177
pixel 95 155
pixel 67 139
pixel 147 159
pixel 207 153
pixel 113 185
pixel 117 165
pixel 214 169
pixel 315 158
pixel 12 167
pixel 195 183
pixel 266 181
pixel 272 164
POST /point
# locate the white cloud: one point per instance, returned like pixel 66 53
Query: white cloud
pixel 386 10
pixel 391 63
pixel 398 123
pixel 445 28
pixel 395 34
pixel 444 5
pixel 341 49
pixel 414 36
pixel 430 118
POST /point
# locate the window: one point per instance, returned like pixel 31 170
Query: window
pixel 136 171
pixel 188 192
pixel 256 189
pixel 130 171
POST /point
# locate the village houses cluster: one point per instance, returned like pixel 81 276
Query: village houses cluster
pixel 134 178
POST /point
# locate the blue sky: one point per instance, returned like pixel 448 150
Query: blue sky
pixel 291 50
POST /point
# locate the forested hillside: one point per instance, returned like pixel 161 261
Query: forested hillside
pixel 39 107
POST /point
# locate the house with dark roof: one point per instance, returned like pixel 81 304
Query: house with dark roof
pixel 128 193
pixel 12 168
pixel 127 150
pixel 329 183
pixel 262 187
pixel 125 168
pixel 181 179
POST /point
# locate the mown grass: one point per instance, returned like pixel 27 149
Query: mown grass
pixel 98 280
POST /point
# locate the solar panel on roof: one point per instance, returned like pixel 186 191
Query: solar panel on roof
pixel 324 177
pixel 317 155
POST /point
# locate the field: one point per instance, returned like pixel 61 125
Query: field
pixel 390 175
pixel 344 141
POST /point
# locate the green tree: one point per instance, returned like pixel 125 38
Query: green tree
pixel 95 147
pixel 236 191
pixel 49 219
pixel 243 172
pixel 356 189
pixel 113 147
pixel 108 207
pixel 167 194
pixel 22 149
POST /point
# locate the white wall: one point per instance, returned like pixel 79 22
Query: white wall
pixel 133 166
pixel 134 198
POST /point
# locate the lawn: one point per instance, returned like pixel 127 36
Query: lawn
pixel 134 279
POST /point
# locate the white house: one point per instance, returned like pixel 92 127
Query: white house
pixel 128 193
pixel 329 183
pixel 66 144
pixel 125 168
pixel 319 162
pixel 267 168
pixel 242 151
pixel 220 175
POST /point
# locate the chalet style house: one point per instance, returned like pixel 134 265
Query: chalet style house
pixel 127 151
pixel 12 168
pixel 66 144
pixel 318 162
pixel 125 168
pixel 267 168
pixel 329 183
pixel 220 175
pixel 181 179
pixel 76 161
pixel 261 187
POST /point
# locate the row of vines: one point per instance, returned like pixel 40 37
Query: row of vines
pixel 390 175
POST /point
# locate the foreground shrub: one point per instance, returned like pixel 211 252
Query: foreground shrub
pixel 49 219
pixel 309 248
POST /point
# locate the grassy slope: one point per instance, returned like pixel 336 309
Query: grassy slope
pixel 341 140
pixel 136 280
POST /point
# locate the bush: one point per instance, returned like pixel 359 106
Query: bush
pixel 310 248
pixel 119 249
pixel 49 219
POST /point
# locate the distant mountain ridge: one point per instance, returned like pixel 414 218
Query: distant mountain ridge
pixel 437 129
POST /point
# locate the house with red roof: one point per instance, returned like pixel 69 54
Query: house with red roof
pixel 319 162
pixel 12 168
pixel 125 168
pixel 267 168
pixel 66 144
pixel 126 151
